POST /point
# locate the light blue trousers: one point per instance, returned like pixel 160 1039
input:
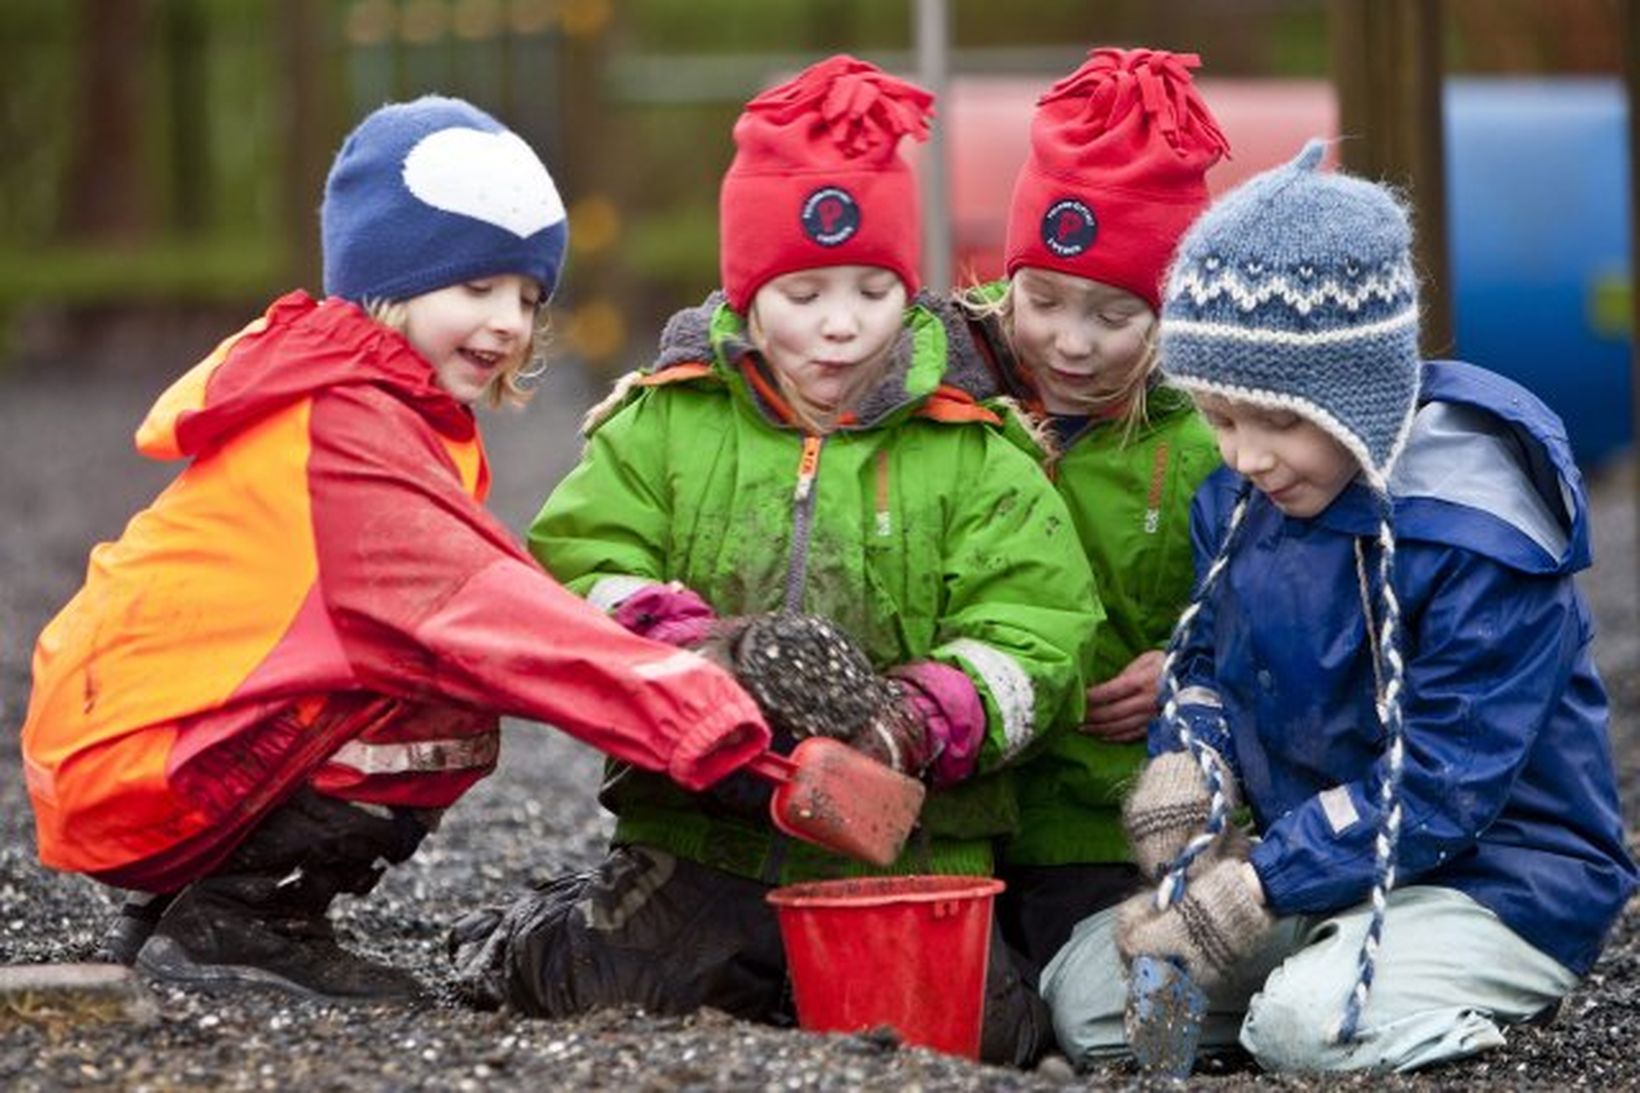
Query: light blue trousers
pixel 1450 974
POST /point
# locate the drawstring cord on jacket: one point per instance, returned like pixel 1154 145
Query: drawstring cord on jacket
pixel 1389 677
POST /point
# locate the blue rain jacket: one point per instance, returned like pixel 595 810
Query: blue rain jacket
pixel 1509 791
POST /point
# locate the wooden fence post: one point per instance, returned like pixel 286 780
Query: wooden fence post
pixel 1387 68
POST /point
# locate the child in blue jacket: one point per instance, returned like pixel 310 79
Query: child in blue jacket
pixel 1387 660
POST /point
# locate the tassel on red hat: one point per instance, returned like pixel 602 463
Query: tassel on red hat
pixel 1120 151
pixel 817 178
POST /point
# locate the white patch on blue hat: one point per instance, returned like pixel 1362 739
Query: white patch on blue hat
pixel 493 177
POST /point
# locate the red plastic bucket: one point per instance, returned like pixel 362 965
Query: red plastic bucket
pixel 906 952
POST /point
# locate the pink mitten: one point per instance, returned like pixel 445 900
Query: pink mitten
pixel 951 712
pixel 667 612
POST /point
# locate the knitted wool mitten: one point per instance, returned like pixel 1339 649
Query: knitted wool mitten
pixel 1168 807
pixel 807 675
pixel 950 714
pixel 898 736
pixel 1218 923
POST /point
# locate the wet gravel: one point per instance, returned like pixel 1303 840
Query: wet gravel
pixel 68 478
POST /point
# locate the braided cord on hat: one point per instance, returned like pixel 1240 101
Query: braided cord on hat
pixel 1391 675
pixel 1172 886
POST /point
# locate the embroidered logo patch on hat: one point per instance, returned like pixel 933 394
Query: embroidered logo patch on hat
pixel 1068 227
pixel 831 216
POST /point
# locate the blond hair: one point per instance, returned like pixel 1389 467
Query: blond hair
pixel 510 386
pixel 985 303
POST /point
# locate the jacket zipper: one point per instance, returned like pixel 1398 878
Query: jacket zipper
pixel 797 569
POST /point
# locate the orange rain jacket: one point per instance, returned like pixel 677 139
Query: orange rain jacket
pixel 319 597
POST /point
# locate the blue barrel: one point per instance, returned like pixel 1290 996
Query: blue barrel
pixel 1538 215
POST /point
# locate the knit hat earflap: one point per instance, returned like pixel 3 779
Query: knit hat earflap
pixel 1117 169
pixel 817 179
pixel 1296 290
pixel 433 192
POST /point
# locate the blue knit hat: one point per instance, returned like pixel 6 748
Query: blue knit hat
pixel 434 192
pixel 1296 290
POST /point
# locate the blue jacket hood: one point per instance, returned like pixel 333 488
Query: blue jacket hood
pixel 1484 444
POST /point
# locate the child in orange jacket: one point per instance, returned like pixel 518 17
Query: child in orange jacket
pixel 295 657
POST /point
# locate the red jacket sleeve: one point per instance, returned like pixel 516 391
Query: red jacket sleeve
pixel 431 599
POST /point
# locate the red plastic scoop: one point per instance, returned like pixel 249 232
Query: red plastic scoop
pixel 829 794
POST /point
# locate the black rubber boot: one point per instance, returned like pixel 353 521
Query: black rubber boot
pixel 259 920
pixel 137 919
pixel 212 937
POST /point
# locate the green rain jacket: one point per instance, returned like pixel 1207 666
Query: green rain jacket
pixel 922 530
pixel 1129 496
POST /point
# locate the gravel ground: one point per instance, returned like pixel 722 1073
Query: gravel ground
pixel 68 478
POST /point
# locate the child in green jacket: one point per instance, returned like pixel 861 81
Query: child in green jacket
pixel 803 444
pixel 1119 151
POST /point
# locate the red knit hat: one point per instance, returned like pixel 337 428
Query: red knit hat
pixel 1120 150
pixel 817 178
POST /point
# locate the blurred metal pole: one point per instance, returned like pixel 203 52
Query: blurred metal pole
pixel 933 40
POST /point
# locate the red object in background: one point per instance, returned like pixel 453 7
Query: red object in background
pixel 988 120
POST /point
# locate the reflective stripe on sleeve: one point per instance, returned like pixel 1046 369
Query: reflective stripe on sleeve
pixel 610 592
pixel 419 756
pixel 1011 689
pixel 677 664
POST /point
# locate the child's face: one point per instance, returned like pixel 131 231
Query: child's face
pixel 827 331
pixel 474 332
pixel 1293 462
pixel 1079 341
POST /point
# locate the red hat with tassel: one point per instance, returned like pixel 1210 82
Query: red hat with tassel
pixel 1117 171
pixel 817 178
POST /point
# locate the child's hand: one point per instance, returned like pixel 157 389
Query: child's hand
pixel 667 612
pixel 1218 923
pixel 806 673
pixel 949 714
pixel 898 737
pixel 1120 709
pixel 1169 806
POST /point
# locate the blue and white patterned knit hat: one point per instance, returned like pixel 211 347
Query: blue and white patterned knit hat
pixel 430 193
pixel 1296 290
